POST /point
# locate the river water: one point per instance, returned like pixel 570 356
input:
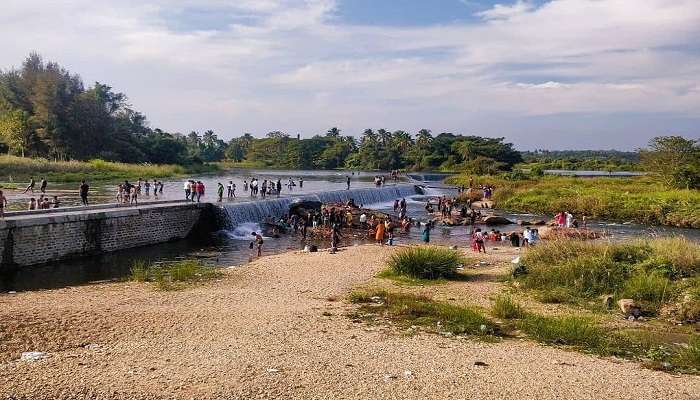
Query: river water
pixel 229 247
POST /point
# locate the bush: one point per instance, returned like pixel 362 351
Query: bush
pixel 564 270
pixel 505 307
pixel 139 271
pixel 651 289
pixel 689 357
pixel 567 330
pixel 426 262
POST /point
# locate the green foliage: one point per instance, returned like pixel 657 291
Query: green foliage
pixel 74 171
pixel 506 307
pixel 567 270
pixel 174 275
pixel 567 330
pixel 689 357
pixel 675 159
pixel 643 200
pixel 425 262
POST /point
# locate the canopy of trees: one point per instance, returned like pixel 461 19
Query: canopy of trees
pixel 46 111
pixel 675 159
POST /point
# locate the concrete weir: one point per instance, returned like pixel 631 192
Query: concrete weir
pixel 41 237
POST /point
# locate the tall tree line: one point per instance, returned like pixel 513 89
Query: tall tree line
pixel 46 111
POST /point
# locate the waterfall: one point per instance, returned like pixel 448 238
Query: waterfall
pixel 255 211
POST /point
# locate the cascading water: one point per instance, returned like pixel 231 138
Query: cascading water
pixel 237 214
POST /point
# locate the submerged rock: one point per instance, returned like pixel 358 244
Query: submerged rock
pixel 497 220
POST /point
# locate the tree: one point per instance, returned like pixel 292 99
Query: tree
pixel 333 132
pixel 14 130
pixel 674 159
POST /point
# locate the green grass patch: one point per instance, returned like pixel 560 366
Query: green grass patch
pixel 173 276
pixel 408 310
pixel 505 307
pixel 426 262
pixel 581 332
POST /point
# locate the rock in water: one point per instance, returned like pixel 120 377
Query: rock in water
pixel 497 220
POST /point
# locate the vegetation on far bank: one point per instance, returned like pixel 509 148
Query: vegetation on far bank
pixel 19 169
pixel 644 200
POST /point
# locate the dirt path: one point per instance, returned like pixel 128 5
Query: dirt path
pixel 277 328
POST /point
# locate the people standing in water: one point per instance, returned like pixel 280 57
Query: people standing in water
pixel 279 187
pixel 32 204
pixel 3 204
pixel 43 185
pixel 379 235
pixel 479 238
pixel 220 191
pixel 301 182
pixel 232 190
pixel 257 243
pixel 347 181
pixel 31 185
pixel 83 189
pixel 425 235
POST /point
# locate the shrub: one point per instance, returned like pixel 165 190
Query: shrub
pixel 426 262
pixel 505 307
pixel 567 330
pixel 689 357
pixel 652 289
pixel 139 271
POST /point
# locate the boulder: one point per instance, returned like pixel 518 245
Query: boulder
pixel 497 220
pixel 629 307
pixel 539 223
pixel 523 223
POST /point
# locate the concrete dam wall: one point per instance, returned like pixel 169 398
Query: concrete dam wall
pixel 37 237
pixel 46 237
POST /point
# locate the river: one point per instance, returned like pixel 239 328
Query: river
pixel 229 247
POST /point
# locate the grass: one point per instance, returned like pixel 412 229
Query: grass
pixel 651 272
pixel 173 276
pixel 642 200
pixel 410 310
pixel 581 333
pixel 505 307
pixel 426 262
pixel 570 330
pixel 20 169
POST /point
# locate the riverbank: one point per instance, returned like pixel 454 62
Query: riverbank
pixel 279 327
pixel 18 169
pixel 642 200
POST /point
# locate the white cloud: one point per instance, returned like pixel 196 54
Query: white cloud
pixel 294 65
pixel 500 11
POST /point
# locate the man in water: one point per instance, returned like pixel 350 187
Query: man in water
pixel 347 181
pixel 31 185
pixel 3 204
pixel 84 188
pixel 43 185
pixel 301 182
pixel 220 191
pixel 257 242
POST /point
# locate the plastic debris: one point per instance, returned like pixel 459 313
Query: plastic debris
pixel 33 356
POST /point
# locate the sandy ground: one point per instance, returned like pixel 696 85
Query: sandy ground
pixel 277 328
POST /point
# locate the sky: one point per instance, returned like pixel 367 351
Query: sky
pixel 544 74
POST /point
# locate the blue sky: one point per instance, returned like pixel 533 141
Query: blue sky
pixel 545 74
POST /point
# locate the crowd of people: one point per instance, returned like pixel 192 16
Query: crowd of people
pixel 128 193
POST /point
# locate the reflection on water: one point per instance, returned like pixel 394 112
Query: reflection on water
pixel 231 247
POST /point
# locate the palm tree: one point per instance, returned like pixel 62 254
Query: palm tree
pixel 333 132
pixel 424 138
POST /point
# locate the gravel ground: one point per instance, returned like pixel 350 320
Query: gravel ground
pixel 276 328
